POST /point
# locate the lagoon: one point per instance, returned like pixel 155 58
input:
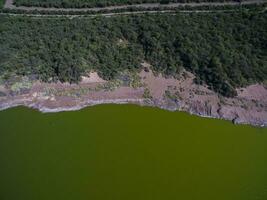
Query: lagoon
pixel 128 152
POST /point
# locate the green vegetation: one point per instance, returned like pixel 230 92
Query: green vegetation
pixel 96 3
pixel 172 96
pixel 147 94
pixel 223 50
pixel 2 3
pixel 23 84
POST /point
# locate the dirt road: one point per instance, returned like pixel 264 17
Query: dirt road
pixel 9 4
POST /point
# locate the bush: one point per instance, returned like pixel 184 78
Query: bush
pixel 223 50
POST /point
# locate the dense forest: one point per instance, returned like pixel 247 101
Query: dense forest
pixel 98 3
pixel 223 50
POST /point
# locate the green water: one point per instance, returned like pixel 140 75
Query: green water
pixel 126 152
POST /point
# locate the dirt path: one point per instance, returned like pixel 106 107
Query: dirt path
pixel 9 4
pixel 55 16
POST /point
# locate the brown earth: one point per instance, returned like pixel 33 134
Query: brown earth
pixel 250 106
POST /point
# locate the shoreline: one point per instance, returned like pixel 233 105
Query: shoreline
pixel 138 102
pixel 173 94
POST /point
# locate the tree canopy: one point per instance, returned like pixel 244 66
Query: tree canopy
pixel 223 50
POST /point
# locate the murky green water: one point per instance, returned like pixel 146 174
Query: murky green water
pixel 126 152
